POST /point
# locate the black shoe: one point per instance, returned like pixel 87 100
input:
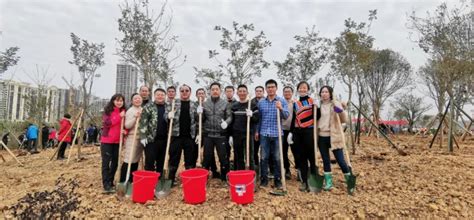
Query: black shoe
pixel 304 187
pixel 264 183
pixel 278 185
pixel 270 176
pixel 61 158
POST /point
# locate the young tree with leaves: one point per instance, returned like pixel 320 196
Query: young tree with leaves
pixel 88 57
pixel 410 108
pixel 8 58
pixel 148 44
pixel 246 56
pixel 304 60
pixel 389 72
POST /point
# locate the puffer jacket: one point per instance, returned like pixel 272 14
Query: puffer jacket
pixel 64 126
pixel 216 110
pixel 177 108
pixel 111 127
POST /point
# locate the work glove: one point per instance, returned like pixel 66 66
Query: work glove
pixel 197 140
pixel 289 139
pixel 144 142
pixel 223 124
pixel 231 141
pixel 249 113
pixel 170 115
pixel 199 110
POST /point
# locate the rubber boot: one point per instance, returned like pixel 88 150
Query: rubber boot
pixel 328 181
pixel 346 177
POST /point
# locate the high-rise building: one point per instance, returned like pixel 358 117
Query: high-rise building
pixel 126 81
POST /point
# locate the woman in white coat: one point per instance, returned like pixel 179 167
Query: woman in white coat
pixel 132 115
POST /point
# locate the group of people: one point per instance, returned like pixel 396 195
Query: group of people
pixel 224 130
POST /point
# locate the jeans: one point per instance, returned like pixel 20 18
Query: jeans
pixel 324 143
pixel 270 149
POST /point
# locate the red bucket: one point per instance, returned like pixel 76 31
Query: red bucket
pixel 194 185
pixel 242 185
pixel 144 183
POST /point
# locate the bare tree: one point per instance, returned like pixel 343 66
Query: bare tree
pixel 246 56
pixel 304 60
pixel 409 107
pixel 147 42
pixel 88 57
pixel 38 100
pixel 434 81
pixel 389 73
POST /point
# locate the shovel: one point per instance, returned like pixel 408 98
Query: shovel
pixel 126 187
pixel 199 163
pixel 164 185
pixel 75 136
pixel 315 180
pixel 247 139
pixel 351 182
pixel 282 191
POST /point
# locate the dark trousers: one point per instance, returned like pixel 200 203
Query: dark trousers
pixel 196 154
pixel 240 151
pixel 178 145
pixel 44 142
pixel 294 151
pixel 218 143
pixel 110 154
pixel 324 144
pixel 256 146
pixel 32 144
pixel 304 141
pixel 155 155
pixel 62 150
pixel 123 171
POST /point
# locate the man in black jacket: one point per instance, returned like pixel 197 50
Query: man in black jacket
pixel 217 117
pixel 240 115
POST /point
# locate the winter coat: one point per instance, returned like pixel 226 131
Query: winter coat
pixel 177 108
pixel 111 127
pixel 32 132
pixel 336 129
pixel 64 127
pixel 130 119
pixel 149 122
pixel 216 110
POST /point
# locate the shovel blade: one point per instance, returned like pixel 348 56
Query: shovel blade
pixel 351 184
pixel 315 182
pixel 278 192
pixel 163 188
pixel 122 189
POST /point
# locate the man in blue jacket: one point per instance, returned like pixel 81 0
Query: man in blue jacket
pixel 32 136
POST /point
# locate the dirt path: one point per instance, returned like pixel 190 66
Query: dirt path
pixel 426 183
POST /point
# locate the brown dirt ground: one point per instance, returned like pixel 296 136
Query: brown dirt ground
pixel 425 184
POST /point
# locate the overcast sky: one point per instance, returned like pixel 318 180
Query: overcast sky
pixel 41 29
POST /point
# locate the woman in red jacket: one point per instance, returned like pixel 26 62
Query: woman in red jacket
pixel 114 111
pixel 64 132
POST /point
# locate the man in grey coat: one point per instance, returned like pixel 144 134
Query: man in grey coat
pixel 217 117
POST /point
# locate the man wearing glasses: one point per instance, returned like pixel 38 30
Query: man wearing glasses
pixel 183 131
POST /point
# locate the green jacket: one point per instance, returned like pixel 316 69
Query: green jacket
pixel 149 122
